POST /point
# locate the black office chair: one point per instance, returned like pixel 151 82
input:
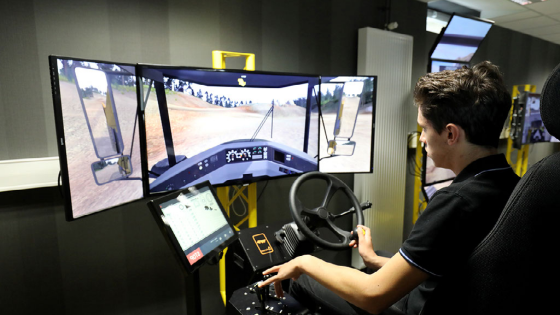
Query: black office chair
pixel 515 268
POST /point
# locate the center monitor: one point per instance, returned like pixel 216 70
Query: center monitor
pixel 225 127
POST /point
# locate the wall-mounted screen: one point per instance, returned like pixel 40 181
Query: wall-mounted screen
pixel 460 39
pixel 226 127
pixel 96 124
pixel 347 119
pixel 527 126
pixel 438 65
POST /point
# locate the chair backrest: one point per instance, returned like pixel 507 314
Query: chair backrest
pixel 513 270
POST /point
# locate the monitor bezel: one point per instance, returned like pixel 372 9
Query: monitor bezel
pixel 61 136
pixel 142 125
pixel 444 29
pixel 170 237
pixel 373 113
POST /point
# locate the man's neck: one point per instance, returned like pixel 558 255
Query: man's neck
pixel 470 154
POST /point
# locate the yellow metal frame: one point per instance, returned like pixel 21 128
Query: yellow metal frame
pixel 419 203
pixel 249 192
pixel 520 166
pixel 219 59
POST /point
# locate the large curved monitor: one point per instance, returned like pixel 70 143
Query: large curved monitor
pixel 97 133
pixel 225 127
pixel 348 120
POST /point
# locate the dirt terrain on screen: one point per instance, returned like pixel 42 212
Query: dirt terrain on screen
pixel 197 126
pixel 87 197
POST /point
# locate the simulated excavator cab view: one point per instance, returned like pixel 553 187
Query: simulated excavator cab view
pixel 227 127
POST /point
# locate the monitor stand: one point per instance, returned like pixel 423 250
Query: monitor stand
pixel 192 289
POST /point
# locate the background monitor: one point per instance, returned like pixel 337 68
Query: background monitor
pixel 528 126
pixel 96 125
pixel 227 127
pixel 440 65
pixel 347 119
pixel 194 224
pixel 460 39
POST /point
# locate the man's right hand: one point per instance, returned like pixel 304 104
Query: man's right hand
pixel 365 247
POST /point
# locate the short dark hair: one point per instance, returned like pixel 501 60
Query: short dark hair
pixel 475 99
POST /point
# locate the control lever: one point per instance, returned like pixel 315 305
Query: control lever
pixel 262 294
pixel 364 206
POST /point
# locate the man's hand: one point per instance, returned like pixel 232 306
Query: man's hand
pixel 365 247
pixel 289 270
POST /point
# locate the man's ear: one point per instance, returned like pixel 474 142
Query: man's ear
pixel 454 133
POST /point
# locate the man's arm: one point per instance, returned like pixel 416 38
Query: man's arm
pixel 373 293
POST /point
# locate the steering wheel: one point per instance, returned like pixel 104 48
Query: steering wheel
pixel 319 216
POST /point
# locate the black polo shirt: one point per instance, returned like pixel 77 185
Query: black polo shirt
pixel 456 220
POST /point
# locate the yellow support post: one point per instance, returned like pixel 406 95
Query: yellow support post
pixel 521 162
pixel 219 59
pixel 419 205
pixel 219 62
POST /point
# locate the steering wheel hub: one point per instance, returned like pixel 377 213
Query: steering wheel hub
pixel 323 213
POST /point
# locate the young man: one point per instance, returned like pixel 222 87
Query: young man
pixel 461 113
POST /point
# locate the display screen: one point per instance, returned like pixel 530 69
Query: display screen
pixel 226 126
pixel 96 119
pixel 194 223
pixel 347 119
pixel 438 65
pixel 534 130
pixel 436 176
pixel 460 39
pixel 197 222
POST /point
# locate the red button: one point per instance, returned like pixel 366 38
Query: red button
pixel 194 256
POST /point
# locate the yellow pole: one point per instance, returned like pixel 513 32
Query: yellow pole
pixel 219 62
pixel 523 153
pixel 418 204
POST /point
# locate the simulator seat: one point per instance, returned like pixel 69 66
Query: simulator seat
pixel 513 270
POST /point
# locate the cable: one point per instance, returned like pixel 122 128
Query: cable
pixel 233 205
pixel 262 191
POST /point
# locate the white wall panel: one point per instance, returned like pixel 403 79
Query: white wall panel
pixel 389 56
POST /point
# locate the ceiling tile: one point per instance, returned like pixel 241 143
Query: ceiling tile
pixel 527 24
pixel 547 30
pixel 545 7
pixel 489 9
pixel 514 17
pixel 555 16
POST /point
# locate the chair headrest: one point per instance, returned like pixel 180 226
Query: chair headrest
pixel 550 103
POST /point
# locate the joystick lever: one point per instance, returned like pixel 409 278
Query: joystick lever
pixel 262 294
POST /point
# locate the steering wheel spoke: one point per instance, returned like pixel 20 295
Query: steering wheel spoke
pixel 331 190
pixel 343 236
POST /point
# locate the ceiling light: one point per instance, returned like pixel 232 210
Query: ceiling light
pixel 526 2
